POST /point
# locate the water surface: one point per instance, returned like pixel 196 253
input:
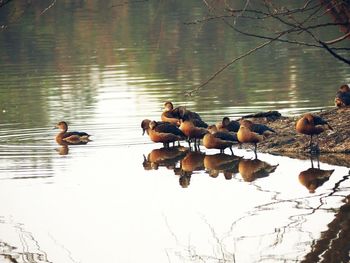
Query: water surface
pixel 104 67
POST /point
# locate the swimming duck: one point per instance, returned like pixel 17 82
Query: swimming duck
pixel 342 98
pixel 311 125
pixel 245 135
pixel 219 139
pixel 261 129
pixel 227 124
pixel 64 137
pixel 162 132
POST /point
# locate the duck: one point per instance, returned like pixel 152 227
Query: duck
pixel 145 125
pixel 219 139
pixel 245 135
pixel 311 124
pixel 191 131
pixel 261 129
pixel 342 98
pixel 227 124
pixel 162 132
pixel 173 115
pixel 66 138
pixel 170 114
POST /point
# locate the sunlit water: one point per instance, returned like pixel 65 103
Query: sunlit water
pixel 106 201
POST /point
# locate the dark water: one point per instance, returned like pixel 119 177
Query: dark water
pixel 103 66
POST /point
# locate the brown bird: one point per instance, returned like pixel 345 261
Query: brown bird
pixel 170 114
pixel 65 138
pixel 342 98
pixel 245 135
pixel 227 124
pixel 173 115
pixel 311 125
pixel 261 129
pixel 219 139
pixel 162 132
pixel 192 132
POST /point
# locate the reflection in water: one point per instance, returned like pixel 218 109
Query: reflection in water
pixel 213 164
pixel 167 157
pixel 333 245
pixel 64 146
pixel 251 170
pixel 24 249
pixel 313 178
pixel 193 161
pixel 63 150
pixel 221 163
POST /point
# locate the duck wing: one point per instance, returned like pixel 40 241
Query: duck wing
pixel 261 128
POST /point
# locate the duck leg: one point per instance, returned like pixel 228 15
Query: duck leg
pixel 231 150
pixel 255 147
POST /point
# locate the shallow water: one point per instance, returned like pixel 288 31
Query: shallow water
pixel 103 70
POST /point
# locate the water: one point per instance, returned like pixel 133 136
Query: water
pixel 105 67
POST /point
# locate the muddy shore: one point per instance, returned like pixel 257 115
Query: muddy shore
pixel 334 146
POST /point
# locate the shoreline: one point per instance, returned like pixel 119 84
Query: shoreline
pixel 287 142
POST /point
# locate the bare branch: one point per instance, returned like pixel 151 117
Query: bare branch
pixel 331 42
pixel 191 92
pixel 47 8
pixel 4 2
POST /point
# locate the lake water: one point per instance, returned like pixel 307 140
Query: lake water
pixel 104 66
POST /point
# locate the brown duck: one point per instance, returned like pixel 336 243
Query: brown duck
pixel 162 132
pixel 311 125
pixel 342 98
pixel 219 139
pixel 65 138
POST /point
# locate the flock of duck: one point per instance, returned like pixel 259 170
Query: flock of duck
pixel 179 124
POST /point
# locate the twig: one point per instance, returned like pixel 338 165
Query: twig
pixel 190 93
pixel 331 42
pixel 47 8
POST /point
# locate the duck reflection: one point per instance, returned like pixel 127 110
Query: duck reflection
pixel 63 150
pixel 193 161
pixel 313 178
pixel 251 170
pixel 221 163
pixel 167 157
pixel 64 146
